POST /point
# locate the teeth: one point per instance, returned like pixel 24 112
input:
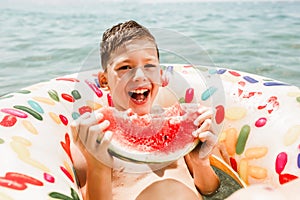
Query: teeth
pixel 139 91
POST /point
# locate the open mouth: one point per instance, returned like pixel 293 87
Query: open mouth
pixel 139 95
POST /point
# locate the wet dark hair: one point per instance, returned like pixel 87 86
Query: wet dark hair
pixel 118 35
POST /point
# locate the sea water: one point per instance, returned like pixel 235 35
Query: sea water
pixel 41 40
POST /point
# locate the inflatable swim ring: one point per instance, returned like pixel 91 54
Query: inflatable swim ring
pixel 259 138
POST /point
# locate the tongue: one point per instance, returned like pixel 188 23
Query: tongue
pixel 139 97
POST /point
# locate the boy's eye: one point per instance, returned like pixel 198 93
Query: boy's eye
pixel 149 66
pixel 125 67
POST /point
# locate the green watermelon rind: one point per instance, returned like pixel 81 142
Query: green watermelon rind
pixel 150 157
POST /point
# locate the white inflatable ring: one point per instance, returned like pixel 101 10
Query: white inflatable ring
pixel 259 139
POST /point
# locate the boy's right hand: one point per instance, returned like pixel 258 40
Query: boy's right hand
pixel 89 135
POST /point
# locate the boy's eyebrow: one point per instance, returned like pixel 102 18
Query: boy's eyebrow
pixel 150 58
pixel 124 61
pixel 128 60
pixel 121 61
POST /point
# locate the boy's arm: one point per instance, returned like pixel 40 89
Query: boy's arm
pixel 94 177
pixel 95 169
pixel 98 183
pixel 205 178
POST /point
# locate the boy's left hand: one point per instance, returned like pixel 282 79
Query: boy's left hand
pixel 204 134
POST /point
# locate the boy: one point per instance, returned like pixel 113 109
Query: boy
pixel 130 59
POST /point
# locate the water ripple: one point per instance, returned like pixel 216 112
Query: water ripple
pixel 39 43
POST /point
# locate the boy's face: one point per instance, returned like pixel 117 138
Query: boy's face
pixel 134 76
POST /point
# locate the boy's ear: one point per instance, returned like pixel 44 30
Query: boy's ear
pixel 102 78
pixel 162 81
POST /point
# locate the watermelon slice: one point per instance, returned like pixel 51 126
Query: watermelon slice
pixel 152 138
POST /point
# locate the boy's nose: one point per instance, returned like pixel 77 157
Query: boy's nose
pixel 139 75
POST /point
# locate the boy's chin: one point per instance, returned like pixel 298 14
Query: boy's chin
pixel 142 108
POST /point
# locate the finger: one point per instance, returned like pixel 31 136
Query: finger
pixel 86 123
pixel 205 126
pixel 208 137
pixel 106 158
pixel 100 111
pixel 107 137
pixel 210 140
pixel 84 116
pixel 205 150
pixel 202 117
pixel 91 141
pixel 96 133
pixel 93 118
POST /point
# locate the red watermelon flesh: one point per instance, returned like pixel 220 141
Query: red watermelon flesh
pixel 162 133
